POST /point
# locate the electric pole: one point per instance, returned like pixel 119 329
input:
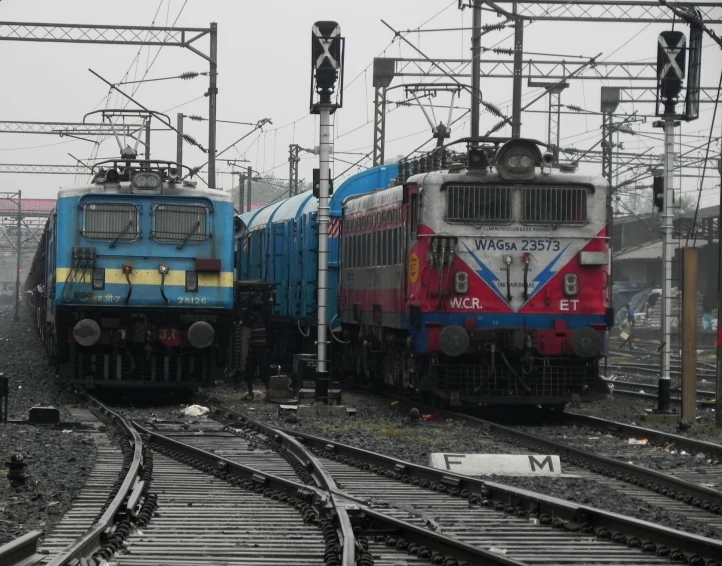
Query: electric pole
pixel 249 177
pixel 241 191
pixel 293 160
pixel 212 94
pixel 475 69
pixel 518 62
pixel 179 141
pixel 18 243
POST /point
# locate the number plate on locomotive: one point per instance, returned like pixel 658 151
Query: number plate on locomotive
pixel 169 336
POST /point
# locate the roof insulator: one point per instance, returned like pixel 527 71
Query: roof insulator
pixel 496 127
pixel 503 51
pixel 493 109
pixel 189 75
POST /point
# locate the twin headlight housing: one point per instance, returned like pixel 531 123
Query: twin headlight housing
pixel 516 160
pixel 146 181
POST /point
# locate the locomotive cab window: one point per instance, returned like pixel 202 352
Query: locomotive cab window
pixel 475 204
pixel 110 221
pixel 554 205
pixel 181 222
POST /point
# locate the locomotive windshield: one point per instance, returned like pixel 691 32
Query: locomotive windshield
pixel 110 221
pixel 181 223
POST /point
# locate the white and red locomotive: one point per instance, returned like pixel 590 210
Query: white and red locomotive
pixel 486 282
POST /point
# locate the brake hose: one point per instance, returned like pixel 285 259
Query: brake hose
pixel 513 373
pixel 508 282
pixel 526 274
pixel 130 287
pixel 162 288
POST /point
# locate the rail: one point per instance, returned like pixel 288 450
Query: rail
pixel 128 493
pixel 127 497
pixel 21 550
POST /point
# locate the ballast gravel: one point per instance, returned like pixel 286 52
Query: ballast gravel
pixel 57 462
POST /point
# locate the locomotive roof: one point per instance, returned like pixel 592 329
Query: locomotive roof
pixel 169 190
pixel 377 199
pixel 556 177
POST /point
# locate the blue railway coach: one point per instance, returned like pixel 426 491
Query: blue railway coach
pixel 279 244
pixel 137 279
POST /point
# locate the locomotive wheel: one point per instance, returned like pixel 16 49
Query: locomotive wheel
pixel 393 368
pixel 367 365
pixel 358 361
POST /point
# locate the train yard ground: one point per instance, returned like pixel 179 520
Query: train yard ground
pixel 60 463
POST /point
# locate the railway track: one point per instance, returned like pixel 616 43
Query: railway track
pixel 237 491
pixel 295 515
pixel 650 391
pixel 639 368
pixel 529 527
pixel 114 498
pixel 688 491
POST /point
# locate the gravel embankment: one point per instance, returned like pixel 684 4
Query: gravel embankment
pixel 57 463
pixel 382 426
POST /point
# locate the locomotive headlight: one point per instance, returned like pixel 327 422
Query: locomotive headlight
pixel 571 285
pixel 461 282
pixel 517 159
pixel 519 163
pixel 146 180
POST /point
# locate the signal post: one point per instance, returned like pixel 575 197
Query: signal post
pixel 671 66
pixel 327 53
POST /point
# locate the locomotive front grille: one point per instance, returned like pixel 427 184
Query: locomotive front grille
pixel 475 203
pixel 549 378
pixel 554 205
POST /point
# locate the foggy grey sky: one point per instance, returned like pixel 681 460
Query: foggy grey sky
pixel 263 57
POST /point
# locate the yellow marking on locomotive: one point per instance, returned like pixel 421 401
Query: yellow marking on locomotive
pixel 414 268
pixel 148 277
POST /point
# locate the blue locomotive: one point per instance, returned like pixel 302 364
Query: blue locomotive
pixel 133 280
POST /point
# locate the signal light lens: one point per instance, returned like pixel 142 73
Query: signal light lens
pixel 192 281
pixel 571 285
pixel 98 279
pixel 461 282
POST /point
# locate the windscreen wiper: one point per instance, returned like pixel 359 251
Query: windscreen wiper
pixel 188 236
pixel 122 233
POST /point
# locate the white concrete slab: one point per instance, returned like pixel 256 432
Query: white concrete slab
pixel 497 464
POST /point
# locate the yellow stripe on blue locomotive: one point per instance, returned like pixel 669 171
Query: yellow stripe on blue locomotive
pixel 149 277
